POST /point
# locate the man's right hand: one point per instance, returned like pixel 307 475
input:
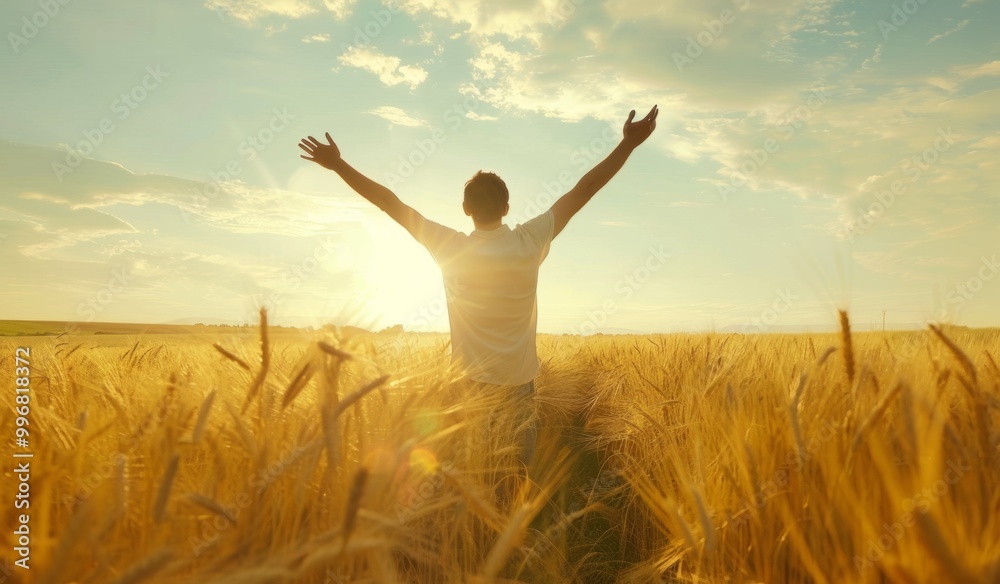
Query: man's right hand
pixel 325 155
pixel 635 133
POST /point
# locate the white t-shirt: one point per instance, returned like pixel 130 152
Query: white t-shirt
pixel 490 280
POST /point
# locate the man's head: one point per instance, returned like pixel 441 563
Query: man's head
pixel 486 198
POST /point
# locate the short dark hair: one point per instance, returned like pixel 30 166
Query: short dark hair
pixel 486 197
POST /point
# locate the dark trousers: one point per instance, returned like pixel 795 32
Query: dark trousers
pixel 515 415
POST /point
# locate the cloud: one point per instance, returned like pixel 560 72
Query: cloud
pixel 513 20
pixel 397 116
pixel 752 84
pixel 387 67
pixel 480 117
pixel 273 30
pixel 957 28
pixel 66 227
pixel 875 58
pixel 953 80
pixel 82 202
pixel 251 11
pixel 341 9
pixel 317 38
pixel 238 249
pixel 967 72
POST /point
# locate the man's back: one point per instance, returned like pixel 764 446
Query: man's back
pixel 491 277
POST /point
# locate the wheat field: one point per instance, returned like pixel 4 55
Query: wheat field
pixel 253 458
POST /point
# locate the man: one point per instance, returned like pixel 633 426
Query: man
pixel 491 274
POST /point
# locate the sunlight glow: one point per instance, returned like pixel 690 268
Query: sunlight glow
pixel 407 285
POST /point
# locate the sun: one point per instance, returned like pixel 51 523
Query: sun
pixel 405 284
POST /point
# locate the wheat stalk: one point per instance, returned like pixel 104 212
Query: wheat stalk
pixel 163 492
pixel 232 357
pixel 199 426
pixel 146 568
pixel 847 344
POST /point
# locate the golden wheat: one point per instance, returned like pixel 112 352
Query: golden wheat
pixel 739 458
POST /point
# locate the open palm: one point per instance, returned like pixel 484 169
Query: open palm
pixel 325 155
pixel 635 133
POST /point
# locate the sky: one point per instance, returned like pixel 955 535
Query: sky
pixel 810 155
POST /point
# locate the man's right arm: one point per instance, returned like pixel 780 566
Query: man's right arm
pixel 635 133
pixel 328 156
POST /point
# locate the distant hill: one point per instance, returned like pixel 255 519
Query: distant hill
pixel 57 327
pixel 204 320
pixel 821 328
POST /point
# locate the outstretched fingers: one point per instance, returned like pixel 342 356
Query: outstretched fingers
pixel 309 148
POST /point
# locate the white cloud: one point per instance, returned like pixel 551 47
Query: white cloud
pixel 273 30
pixel 967 72
pixel 251 11
pixel 79 206
pixel 317 38
pixel 480 117
pixel 514 20
pixel 957 28
pixel 341 9
pixel 388 68
pixel 875 58
pixel 397 116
